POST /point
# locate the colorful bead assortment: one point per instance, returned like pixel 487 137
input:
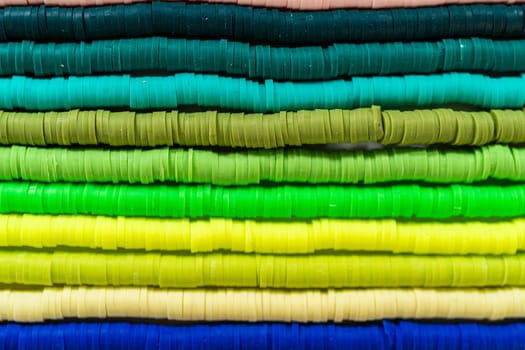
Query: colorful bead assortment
pixel 262 174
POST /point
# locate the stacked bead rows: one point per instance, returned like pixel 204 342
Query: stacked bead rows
pixel 309 174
